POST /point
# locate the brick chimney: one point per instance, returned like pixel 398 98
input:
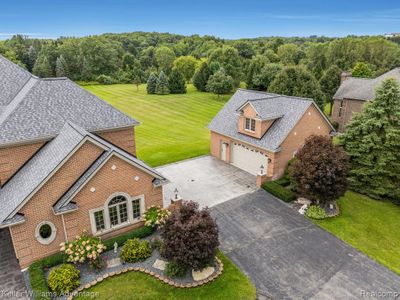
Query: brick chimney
pixel 344 76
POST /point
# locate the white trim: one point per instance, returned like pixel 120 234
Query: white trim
pixel 65 230
pixel 106 215
pixel 245 104
pixel 51 238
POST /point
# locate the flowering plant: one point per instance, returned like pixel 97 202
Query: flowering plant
pixel 83 248
pixel 155 216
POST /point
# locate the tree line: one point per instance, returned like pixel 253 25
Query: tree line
pixel 308 67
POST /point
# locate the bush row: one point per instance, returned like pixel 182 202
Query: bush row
pixel 279 191
pixel 37 269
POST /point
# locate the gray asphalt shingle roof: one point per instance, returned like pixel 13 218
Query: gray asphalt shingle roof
pixel 288 109
pixel 33 108
pixel 42 164
pixel 363 88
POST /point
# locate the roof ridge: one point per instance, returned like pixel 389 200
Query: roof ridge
pixel 18 98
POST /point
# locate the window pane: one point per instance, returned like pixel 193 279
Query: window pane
pixel 123 213
pixel 136 208
pixel 253 125
pixel 247 123
pixel 99 220
pixel 113 215
pixel 116 200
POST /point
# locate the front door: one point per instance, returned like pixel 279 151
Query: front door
pixel 224 147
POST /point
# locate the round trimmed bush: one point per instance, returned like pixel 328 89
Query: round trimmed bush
pixel 135 250
pixel 64 279
pixel 316 212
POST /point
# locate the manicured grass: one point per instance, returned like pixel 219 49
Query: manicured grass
pixel 232 284
pixel 369 225
pixel 174 127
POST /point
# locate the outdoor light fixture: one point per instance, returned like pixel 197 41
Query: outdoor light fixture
pixel 176 194
pixel 262 170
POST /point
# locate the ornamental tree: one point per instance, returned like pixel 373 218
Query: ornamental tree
pixel 220 83
pixel 320 170
pixel 152 83
pixel 162 84
pixel 201 77
pixel 176 82
pixel 372 141
pixel 190 237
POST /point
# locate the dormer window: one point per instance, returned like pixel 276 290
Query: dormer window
pixel 250 124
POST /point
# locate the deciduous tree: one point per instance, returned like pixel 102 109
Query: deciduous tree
pixel 220 83
pixel 186 65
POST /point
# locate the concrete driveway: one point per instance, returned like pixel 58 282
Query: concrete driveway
pixel 206 180
pixel 288 257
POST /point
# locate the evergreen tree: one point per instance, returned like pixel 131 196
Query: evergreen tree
pixel 201 77
pixel 32 56
pixel 176 82
pixel 329 83
pixel 162 84
pixel 152 83
pixel 220 82
pixel 42 67
pixel 61 67
pixel 372 141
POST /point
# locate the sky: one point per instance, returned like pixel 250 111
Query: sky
pixel 229 19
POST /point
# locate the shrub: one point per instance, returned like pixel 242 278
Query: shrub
pixel 64 279
pixel 104 79
pixel 320 170
pixel 316 212
pixel 155 216
pixel 135 250
pixel 279 191
pixel 83 248
pixel 190 237
pixel 137 233
pixel 174 269
pixel 157 243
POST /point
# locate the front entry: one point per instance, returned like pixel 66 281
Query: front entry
pixel 248 159
pixel 224 148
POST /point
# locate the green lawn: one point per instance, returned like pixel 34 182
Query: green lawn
pixel 231 284
pixel 174 127
pixel 371 226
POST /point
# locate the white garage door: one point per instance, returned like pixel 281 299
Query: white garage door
pixel 248 159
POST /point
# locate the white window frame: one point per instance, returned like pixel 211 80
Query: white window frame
pixel 107 222
pixel 251 121
pixel 51 238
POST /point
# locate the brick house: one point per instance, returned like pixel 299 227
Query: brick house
pixel 67 164
pixel 353 93
pixel 257 129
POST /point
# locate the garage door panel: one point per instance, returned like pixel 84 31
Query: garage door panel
pixel 247 158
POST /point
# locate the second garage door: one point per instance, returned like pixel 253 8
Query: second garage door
pixel 247 158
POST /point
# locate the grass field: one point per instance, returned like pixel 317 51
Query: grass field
pixel 369 225
pixel 174 127
pixel 232 284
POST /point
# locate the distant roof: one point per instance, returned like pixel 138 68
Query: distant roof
pixel 363 88
pixel 286 110
pixel 33 108
pixel 45 162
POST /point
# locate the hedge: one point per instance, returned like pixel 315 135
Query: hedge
pixel 37 270
pixel 279 191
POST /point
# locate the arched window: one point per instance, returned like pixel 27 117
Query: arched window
pixel 118 210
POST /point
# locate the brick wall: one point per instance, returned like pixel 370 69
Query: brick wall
pixel 349 107
pixel 123 138
pixel 12 158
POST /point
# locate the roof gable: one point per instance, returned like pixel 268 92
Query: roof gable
pixel 31 177
pixel 285 109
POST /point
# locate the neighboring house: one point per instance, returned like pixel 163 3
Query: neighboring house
pixel 352 94
pixel 67 164
pixel 257 129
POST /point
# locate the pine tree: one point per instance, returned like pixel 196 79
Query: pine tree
pixel 176 82
pixel 42 67
pixel 372 141
pixel 152 83
pixel 162 84
pixel 201 77
pixel 61 67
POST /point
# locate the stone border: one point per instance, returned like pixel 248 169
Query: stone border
pixel 156 276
